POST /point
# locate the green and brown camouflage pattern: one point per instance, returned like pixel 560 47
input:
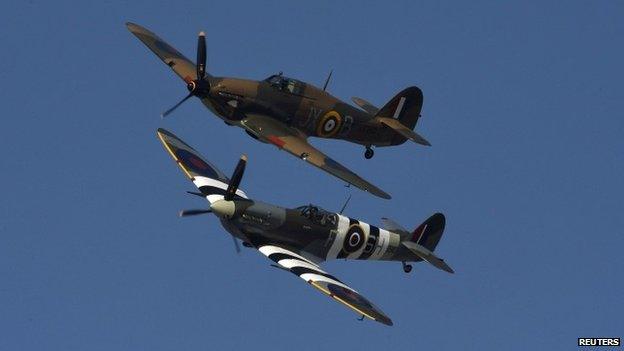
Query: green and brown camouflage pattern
pixel 285 112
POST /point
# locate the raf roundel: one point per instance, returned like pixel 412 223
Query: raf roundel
pixel 196 164
pixel 354 239
pixel 349 295
pixel 329 124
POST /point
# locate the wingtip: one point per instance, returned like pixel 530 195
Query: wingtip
pixel 138 29
pixel 422 141
pixel 378 192
pixel 161 132
pixel 449 269
pixel 131 25
pixel 387 321
pixel 382 194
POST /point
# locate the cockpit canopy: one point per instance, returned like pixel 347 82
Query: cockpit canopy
pixel 318 215
pixel 285 84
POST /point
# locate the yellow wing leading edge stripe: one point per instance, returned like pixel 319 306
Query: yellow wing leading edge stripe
pixel 175 157
pixel 323 282
pixel 327 292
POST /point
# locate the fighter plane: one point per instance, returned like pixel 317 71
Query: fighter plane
pixel 297 240
pixel 284 111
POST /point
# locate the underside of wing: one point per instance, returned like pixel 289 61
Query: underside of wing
pixel 210 181
pixel 269 130
pixel 321 280
pixel 181 65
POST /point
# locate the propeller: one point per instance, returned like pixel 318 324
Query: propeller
pixel 166 113
pixel 186 213
pixel 199 87
pixel 236 178
pixel 201 56
pixel 236 246
pixel 223 208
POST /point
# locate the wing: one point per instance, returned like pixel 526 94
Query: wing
pixel 269 130
pixel 321 280
pixel 182 66
pixel 210 181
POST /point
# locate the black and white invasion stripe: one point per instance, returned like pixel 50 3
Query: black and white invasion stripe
pixel 297 264
pixel 214 189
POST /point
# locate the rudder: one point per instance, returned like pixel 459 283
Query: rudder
pixel 404 106
pixel 429 233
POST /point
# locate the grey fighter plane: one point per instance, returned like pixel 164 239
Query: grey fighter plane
pixel 297 240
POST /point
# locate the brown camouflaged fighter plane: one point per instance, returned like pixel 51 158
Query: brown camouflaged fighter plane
pixel 299 239
pixel 285 112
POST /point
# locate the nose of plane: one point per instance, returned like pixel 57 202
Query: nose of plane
pixel 223 208
pixel 230 87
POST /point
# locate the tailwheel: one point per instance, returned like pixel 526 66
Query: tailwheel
pixel 406 267
pixel 369 153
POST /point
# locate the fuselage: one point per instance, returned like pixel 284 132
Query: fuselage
pixel 311 230
pixel 311 110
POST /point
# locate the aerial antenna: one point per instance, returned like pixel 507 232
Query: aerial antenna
pixel 345 204
pixel 327 80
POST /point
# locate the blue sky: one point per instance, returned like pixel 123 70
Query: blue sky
pixel 523 106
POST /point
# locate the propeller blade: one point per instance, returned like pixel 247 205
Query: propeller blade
pixel 236 178
pixel 236 246
pixel 201 56
pixel 186 213
pixel 166 113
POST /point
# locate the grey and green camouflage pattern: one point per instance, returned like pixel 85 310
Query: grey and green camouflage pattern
pixel 299 239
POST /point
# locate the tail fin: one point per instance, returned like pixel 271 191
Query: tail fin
pixel 401 115
pixel 404 106
pixel 429 233
pixel 425 239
